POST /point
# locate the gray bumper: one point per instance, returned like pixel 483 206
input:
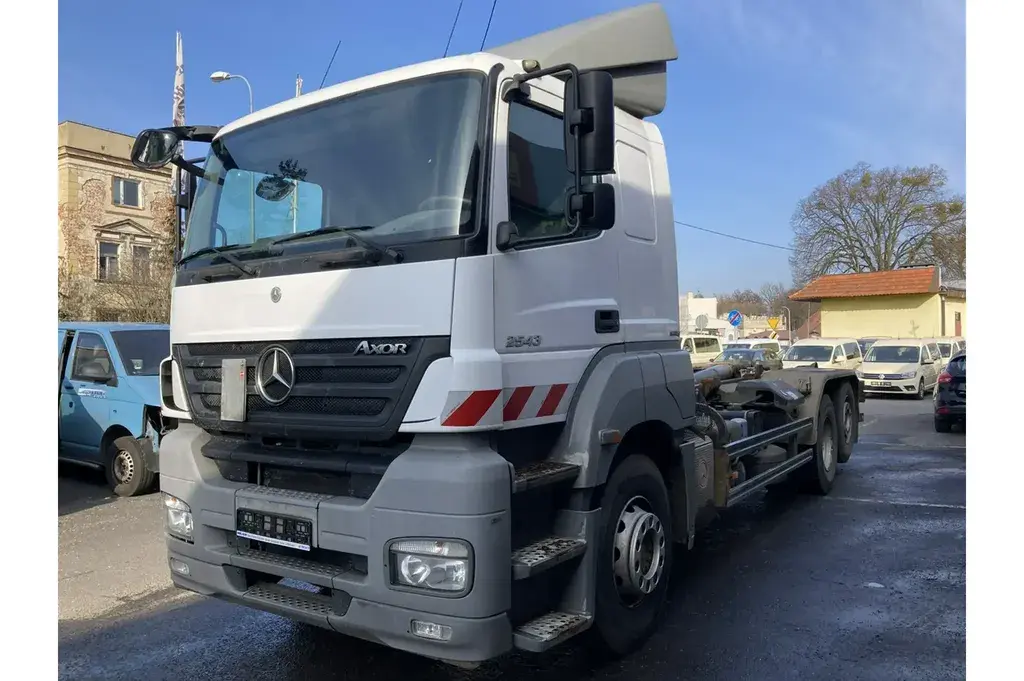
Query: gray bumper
pixel 441 487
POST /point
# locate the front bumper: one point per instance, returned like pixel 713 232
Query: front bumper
pixel 891 386
pixel 444 487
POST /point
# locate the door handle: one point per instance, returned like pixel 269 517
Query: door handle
pixel 606 321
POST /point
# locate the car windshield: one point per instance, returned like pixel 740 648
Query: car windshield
pixel 945 349
pixel 734 354
pixel 142 351
pixel 865 344
pixel 894 354
pixel 397 162
pixel 734 346
pixel 809 353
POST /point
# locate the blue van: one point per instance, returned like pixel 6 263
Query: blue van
pixel 109 392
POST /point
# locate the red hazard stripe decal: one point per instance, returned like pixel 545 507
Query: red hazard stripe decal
pixel 515 405
pixel 472 409
pixel 550 404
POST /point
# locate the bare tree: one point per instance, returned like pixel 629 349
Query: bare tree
pixel 773 296
pixel 143 292
pixel 867 221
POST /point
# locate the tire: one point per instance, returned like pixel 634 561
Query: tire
pixel 625 616
pixel 820 474
pixel 943 426
pixel 126 469
pixel 919 395
pixel 849 426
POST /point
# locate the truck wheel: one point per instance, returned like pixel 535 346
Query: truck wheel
pixel 634 556
pixel 849 427
pixel 821 473
pixel 127 473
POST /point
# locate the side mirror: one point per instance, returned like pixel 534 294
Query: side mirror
pixel 155 148
pixel 596 206
pixel 592 115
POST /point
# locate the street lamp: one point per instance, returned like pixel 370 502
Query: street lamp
pixel 789 322
pixel 221 77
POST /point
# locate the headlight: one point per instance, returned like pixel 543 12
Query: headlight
pixel 178 518
pixel 909 374
pixel 434 565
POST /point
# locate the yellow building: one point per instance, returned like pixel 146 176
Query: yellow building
pixel 911 302
pixel 107 230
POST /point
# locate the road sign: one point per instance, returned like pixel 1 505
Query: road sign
pixel 734 317
pixel 702 322
pixel 773 322
pixel 773 335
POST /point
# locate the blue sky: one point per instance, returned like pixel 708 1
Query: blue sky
pixel 769 98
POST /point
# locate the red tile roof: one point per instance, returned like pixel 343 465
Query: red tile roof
pixel 909 281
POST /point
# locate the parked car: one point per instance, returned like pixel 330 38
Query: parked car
pixel 866 343
pixel 753 343
pixel 823 353
pixel 950 398
pixel 702 348
pixel 109 400
pixel 750 360
pixel 950 347
pixel 900 366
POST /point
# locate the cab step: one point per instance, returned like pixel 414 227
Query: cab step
pixel 547 631
pixel 542 473
pixel 545 554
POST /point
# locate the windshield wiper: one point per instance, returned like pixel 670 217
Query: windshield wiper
pixel 221 251
pixel 377 252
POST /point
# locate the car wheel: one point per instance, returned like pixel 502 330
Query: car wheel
pixel 634 556
pixel 919 395
pixel 126 469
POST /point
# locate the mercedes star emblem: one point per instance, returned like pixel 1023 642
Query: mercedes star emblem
pixel 275 295
pixel 275 375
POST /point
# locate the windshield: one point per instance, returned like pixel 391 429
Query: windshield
pixel 894 354
pixel 397 162
pixel 142 351
pixel 734 346
pixel 945 349
pixel 809 353
pixel 734 354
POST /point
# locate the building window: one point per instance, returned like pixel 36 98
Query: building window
pixel 127 192
pixel 107 269
pixel 141 263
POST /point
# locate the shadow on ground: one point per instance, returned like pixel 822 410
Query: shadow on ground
pixel 79 488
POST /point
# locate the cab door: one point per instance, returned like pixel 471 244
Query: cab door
pixel 86 395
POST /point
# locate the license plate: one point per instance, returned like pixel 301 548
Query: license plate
pixel 880 384
pixel 294 533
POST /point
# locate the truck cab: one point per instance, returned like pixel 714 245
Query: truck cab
pixel 109 399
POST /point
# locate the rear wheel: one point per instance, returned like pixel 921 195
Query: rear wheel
pixel 634 556
pixel 849 426
pixel 820 474
pixel 126 469
pixel 942 425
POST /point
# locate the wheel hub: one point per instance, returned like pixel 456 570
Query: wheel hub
pixel 827 451
pixel 638 559
pixel 847 421
pixel 124 467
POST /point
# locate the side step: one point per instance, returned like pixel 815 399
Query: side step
pixel 288 601
pixel 544 555
pixel 547 631
pixel 543 473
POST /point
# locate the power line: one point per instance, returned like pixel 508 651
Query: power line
pixel 329 64
pixel 488 29
pixel 733 236
pixel 452 32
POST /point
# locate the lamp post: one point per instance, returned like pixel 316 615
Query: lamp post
pixel 789 322
pixel 222 77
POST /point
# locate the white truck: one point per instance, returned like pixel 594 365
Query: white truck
pixel 426 363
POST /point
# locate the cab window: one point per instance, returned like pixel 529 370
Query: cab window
pixel 90 352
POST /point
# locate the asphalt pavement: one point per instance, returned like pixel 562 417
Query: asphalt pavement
pixel 867 583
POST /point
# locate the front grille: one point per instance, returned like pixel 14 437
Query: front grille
pixel 337 394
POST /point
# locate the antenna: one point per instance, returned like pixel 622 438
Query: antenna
pixel 329 64
pixel 452 32
pixel 488 29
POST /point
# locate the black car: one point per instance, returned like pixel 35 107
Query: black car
pixel 950 400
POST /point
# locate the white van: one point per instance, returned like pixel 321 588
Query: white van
pixel 824 353
pixel 948 347
pixel 702 348
pixel 754 344
pixel 908 366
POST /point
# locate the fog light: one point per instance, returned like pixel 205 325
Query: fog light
pixel 436 632
pixel 179 567
pixel 442 565
pixel 178 518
